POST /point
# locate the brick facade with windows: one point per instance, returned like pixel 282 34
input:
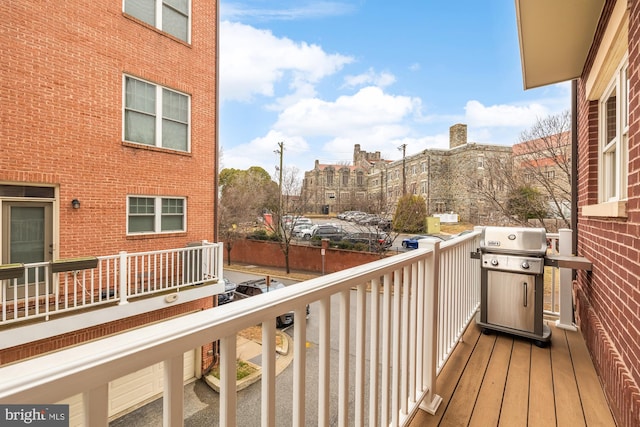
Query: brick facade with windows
pixel 607 151
pixel 608 300
pixel 62 111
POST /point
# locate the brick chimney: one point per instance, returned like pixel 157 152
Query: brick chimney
pixel 457 135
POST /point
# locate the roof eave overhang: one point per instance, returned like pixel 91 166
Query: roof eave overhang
pixel 555 38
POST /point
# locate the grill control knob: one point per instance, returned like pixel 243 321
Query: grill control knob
pixel 494 262
pixel 524 265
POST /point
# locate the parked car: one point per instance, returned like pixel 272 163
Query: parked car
pixel 345 214
pixel 255 287
pixel 369 220
pixel 289 221
pixel 375 241
pixel 355 216
pixel 300 228
pixel 327 231
pixel 229 292
pixel 384 224
pixel 305 233
pixel 412 242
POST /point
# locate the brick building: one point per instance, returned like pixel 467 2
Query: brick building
pixel 596 47
pixel 545 164
pixel 108 138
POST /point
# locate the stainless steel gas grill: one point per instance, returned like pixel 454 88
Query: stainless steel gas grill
pixel 512 263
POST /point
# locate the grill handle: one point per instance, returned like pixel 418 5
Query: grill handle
pixel 525 293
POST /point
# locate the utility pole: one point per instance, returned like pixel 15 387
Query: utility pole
pixel 403 147
pixel 280 151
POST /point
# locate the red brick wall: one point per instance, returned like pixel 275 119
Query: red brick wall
pixel 61 112
pixel 61 115
pixel 608 299
pixel 307 258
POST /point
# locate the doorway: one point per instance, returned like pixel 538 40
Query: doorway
pixel 27 238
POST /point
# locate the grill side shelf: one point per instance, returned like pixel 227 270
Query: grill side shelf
pixel 568 261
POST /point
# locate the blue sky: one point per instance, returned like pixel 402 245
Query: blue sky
pixel 321 76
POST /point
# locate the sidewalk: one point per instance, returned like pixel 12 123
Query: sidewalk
pixel 249 343
pixel 249 350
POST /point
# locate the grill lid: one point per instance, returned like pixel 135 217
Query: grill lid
pixel 514 240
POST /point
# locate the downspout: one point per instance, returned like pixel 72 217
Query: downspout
pixel 574 166
pixel 216 141
pixel 217 127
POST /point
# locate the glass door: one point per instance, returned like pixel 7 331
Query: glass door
pixel 27 238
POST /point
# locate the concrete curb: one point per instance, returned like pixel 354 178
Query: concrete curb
pixel 282 362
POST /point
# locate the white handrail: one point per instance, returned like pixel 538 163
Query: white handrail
pixel 411 318
pixel 116 278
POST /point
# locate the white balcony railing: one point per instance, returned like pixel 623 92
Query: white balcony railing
pixel 416 315
pixel 77 284
pixel 412 307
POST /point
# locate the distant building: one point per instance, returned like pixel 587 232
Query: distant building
pixel 545 164
pixel 446 179
pixel 332 188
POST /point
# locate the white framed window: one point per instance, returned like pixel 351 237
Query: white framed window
pixel 170 16
pixel 481 162
pixel 151 214
pixel 154 115
pixel 613 116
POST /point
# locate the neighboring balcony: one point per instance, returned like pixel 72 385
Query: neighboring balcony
pixel 400 349
pixel 68 293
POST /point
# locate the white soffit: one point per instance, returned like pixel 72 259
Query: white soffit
pixel 555 37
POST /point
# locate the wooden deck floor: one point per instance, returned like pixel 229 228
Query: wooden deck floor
pixel 499 379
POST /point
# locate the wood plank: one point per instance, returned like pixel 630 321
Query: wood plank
pixel 463 401
pixel 564 382
pixel 489 403
pixel 542 411
pixel 516 396
pixel 449 377
pixel 594 403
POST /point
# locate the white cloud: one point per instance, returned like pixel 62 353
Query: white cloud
pixel 253 61
pixel 369 108
pixel 370 78
pixel 520 116
pixel 261 152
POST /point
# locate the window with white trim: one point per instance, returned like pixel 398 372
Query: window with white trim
pixel 614 136
pixel 154 115
pixel 155 214
pixel 170 16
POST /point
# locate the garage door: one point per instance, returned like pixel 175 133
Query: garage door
pixel 131 391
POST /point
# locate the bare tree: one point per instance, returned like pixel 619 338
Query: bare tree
pixel 544 159
pixel 286 209
pixel 535 181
